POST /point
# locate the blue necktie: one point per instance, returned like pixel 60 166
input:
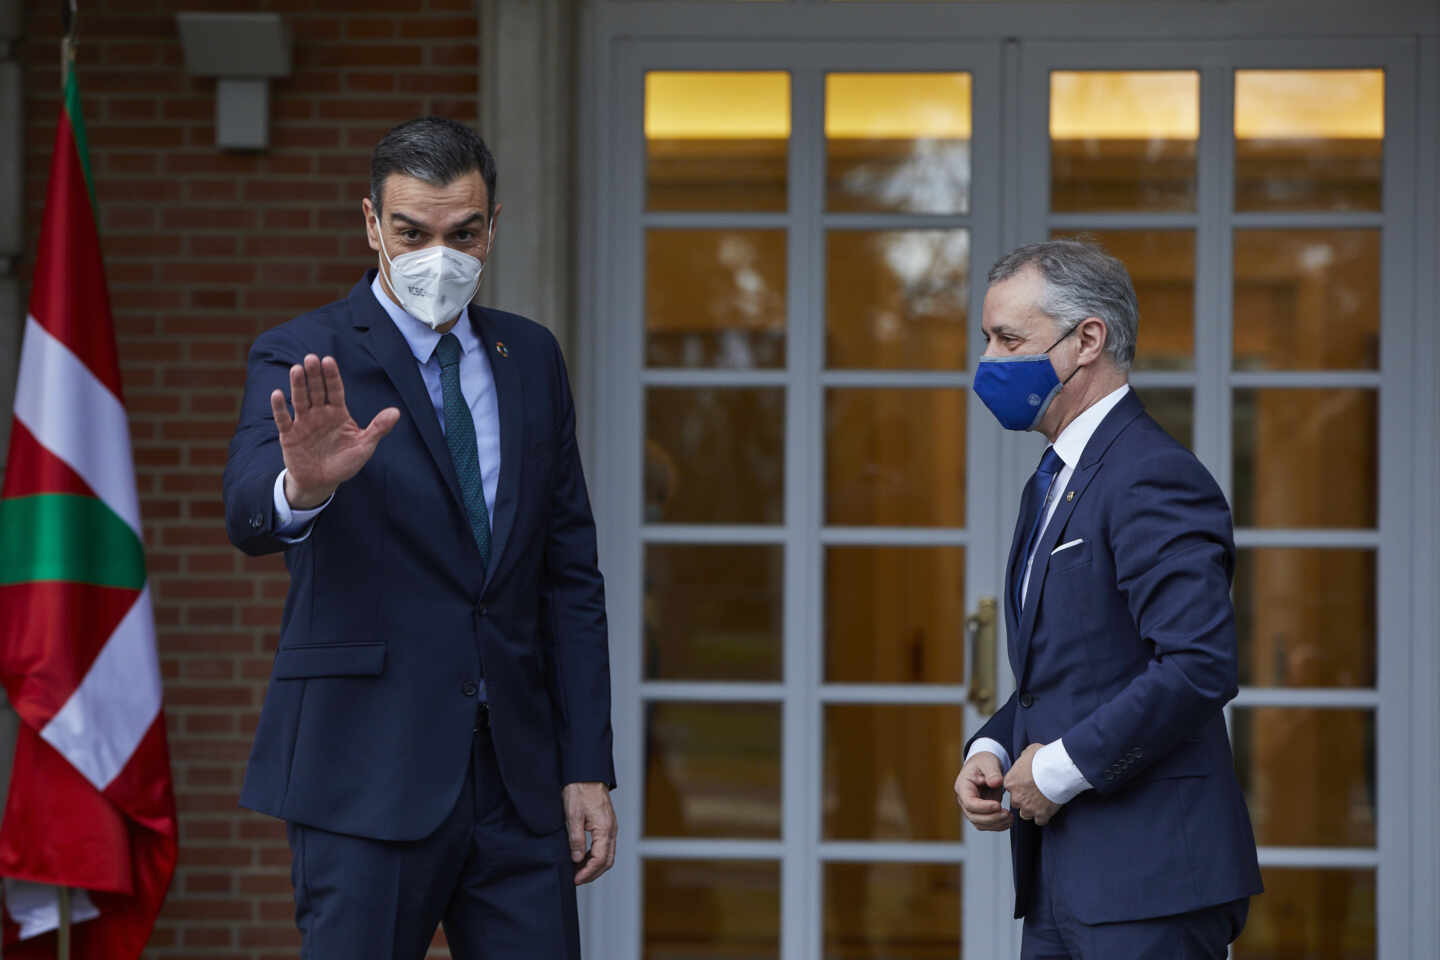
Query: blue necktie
pixel 1032 511
pixel 460 438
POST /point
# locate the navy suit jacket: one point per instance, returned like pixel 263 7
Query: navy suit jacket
pixel 1126 649
pixel 390 620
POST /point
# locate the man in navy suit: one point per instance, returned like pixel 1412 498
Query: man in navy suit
pixel 1129 833
pixel 436 732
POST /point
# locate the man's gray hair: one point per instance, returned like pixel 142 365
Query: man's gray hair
pixel 1081 280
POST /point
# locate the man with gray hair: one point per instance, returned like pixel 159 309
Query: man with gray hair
pixel 436 732
pixel 1129 833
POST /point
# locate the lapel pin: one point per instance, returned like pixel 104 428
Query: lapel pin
pixel 1070 496
pixel 501 349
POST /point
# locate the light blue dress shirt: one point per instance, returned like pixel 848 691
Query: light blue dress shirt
pixel 477 384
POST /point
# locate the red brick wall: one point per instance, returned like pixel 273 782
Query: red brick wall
pixel 204 250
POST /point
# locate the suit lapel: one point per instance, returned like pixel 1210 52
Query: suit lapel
pixel 1012 614
pixel 1069 497
pixel 382 341
pixel 1073 493
pixel 510 400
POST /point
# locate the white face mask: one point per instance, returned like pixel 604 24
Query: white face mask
pixel 435 284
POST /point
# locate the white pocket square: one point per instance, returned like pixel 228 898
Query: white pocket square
pixel 1067 546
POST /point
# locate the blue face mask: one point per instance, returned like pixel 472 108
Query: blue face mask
pixel 1018 390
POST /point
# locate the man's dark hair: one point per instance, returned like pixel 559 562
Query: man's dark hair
pixel 433 149
pixel 1081 280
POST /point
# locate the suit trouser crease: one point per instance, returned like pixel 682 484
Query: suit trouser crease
pixel 500 891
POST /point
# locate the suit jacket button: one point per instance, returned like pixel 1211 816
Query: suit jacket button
pixel 470 688
pixel 1026 701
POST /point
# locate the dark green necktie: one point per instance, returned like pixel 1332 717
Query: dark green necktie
pixel 460 438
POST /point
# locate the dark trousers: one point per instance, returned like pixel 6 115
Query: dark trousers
pixel 1052 932
pixel 501 892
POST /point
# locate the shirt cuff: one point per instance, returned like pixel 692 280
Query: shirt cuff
pixel 1056 775
pixel 291 524
pixel 986 745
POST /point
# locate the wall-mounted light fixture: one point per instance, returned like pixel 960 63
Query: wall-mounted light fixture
pixel 243 50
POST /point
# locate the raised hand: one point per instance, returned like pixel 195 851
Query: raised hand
pixel 322 444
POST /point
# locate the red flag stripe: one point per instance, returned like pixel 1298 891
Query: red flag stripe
pixel 33 469
pixel 50 633
pixel 143 789
pixel 52 794
pixel 69 297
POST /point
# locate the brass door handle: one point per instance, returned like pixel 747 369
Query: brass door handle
pixel 980 629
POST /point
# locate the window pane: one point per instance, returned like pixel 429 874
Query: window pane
pixel 886 911
pixel 1306 617
pixel 714 455
pixel 1123 140
pixel 715 298
pixel 1162 267
pixel 708 909
pixel 712 770
pixel 898 141
pixel 1308 775
pixel 1307 299
pixel 1309 139
pixel 713 612
pixel 895 457
pixel 1314 914
pixel 716 141
pixel 1305 458
pixel 1174 410
pixel 897 300
pixel 890 770
pixel 895 615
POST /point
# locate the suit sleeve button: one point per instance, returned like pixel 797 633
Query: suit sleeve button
pixel 257 520
pixel 470 688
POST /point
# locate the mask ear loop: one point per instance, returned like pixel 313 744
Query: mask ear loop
pixel 1056 344
pixel 489 249
pixel 380 233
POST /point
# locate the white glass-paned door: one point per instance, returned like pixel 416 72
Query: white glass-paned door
pixel 1259 203
pixel 810 488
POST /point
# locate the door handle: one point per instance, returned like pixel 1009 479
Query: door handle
pixel 980 629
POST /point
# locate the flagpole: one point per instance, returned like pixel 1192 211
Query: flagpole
pixel 67 40
pixel 67 62
pixel 62 946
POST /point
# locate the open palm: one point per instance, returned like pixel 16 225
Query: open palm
pixel 322 444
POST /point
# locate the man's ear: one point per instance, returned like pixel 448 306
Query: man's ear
pixel 372 230
pixel 1091 337
pixel 494 224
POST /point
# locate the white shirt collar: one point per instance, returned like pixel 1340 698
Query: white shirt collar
pixel 1073 439
pixel 420 337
